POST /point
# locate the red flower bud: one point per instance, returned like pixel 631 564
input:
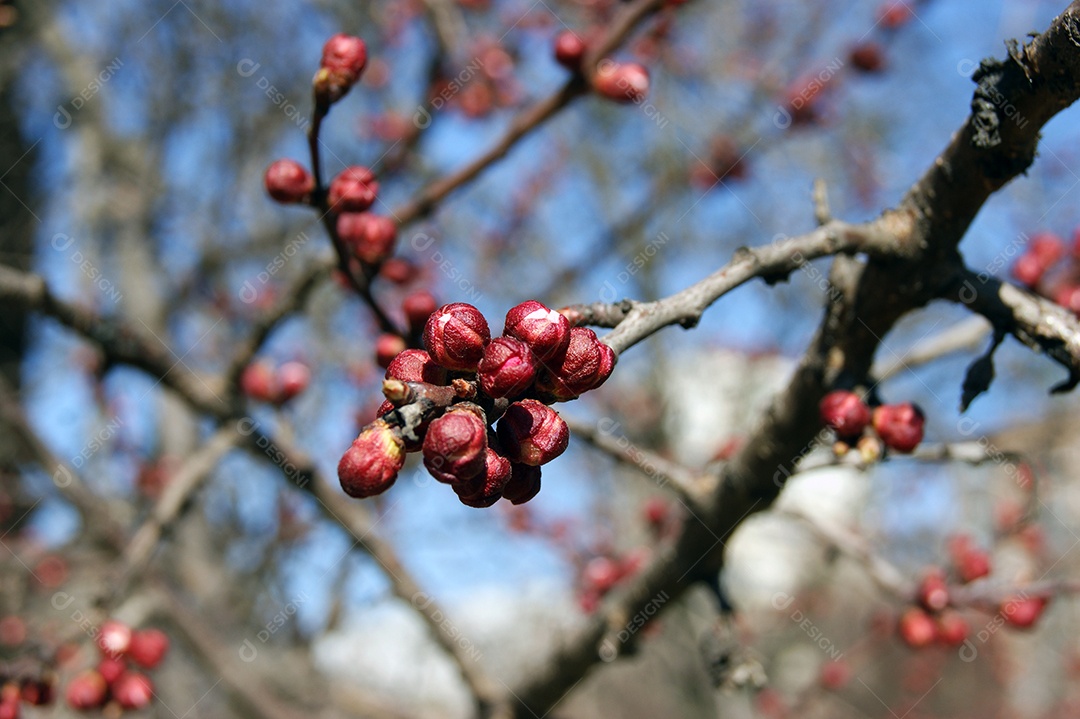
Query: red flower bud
pixel 416 366
pixel 900 426
pixel 973 564
pixel 257 381
pixel 133 690
pixel 397 270
pixel 1047 247
pixel 288 182
pixel 569 49
pixel 343 59
pixel 952 629
pixel 1023 612
pixel 1028 270
pixel 588 362
pixel 9 708
pixel 353 190
pixel 486 488
pixel 508 367
pixel 601 574
pixel 532 433
pixel 933 592
pixel 114 638
pixel 917 628
pixel 371 237
pixel 621 82
pixel 110 668
pixel 524 483
pixel 387 348
pixel 1068 296
pixel 868 57
pixel 292 378
pixel 455 335
pixel 371 465
pixel 455 445
pixel 418 307
pixel 546 331
pixel 148 647
pixel 86 690
pixel 845 413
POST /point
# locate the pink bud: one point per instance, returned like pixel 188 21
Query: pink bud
pixel 588 362
pixel 546 331
pixel 114 638
pixel 933 592
pixel 622 82
pixel 952 629
pixel 524 483
pixel 387 347
pixel 399 271
pixel 569 49
pixel 9 707
pixel 1022 612
pixel 917 628
pixel 1068 296
pixel 1047 247
pixel 507 368
pixel 86 690
pixel 900 426
pixel 418 307
pixel 371 237
pixel 601 574
pixel 371 465
pixel 845 413
pixel 1028 270
pixel 293 378
pixel 416 366
pixel 343 59
pixel 532 433
pixel 257 381
pixel 353 190
pixel 148 647
pixel 110 668
pixel 133 690
pixel 485 489
pixel 455 335
pixel 455 445
pixel 288 182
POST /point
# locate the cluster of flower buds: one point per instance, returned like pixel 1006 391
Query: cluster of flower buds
pixel 477 407
pixel 264 383
pixel 626 82
pixel 113 681
pixel 17 690
pixel 1049 268
pixel 898 427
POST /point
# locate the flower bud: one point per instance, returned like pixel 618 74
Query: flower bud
pixel 845 413
pixel 418 307
pixel 86 690
pixel 508 367
pixel 933 592
pixel 114 638
pixel 398 270
pixel 148 647
pixel 546 331
pixel 455 445
pixel 257 381
pixel 292 378
pixel 588 362
pixel 569 49
pixel 900 426
pixel 288 182
pixel 343 59
pixel 952 629
pixel 917 628
pixel 1023 611
pixel 455 335
pixel 621 82
pixel 524 483
pixel 111 668
pixel 485 489
pixel 532 433
pixel 133 690
pixel 371 237
pixel 353 190
pixel 371 465
pixel 416 366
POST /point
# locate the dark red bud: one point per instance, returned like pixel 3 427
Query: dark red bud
pixel 621 82
pixel 343 59
pixel 397 270
pixel 387 347
pixel 569 49
pixel 455 446
pixel 371 465
pixel 585 365
pixel 86 690
pixel 845 413
pixel 418 307
pixel 148 647
pixel 532 433
pixel 524 483
pixel 546 331
pixel 371 237
pixel 258 382
pixel 288 182
pixel 486 488
pixel 868 57
pixel 133 690
pixel 508 367
pixel 353 190
pixel 900 426
pixel 455 335
pixel 415 366
pixel 292 379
